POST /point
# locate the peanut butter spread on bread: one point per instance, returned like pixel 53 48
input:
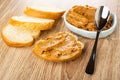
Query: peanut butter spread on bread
pixel 59 46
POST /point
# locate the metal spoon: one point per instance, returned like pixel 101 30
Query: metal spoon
pixel 101 18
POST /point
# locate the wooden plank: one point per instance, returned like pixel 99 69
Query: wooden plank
pixel 22 64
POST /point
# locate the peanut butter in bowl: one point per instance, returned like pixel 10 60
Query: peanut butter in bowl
pixel 59 47
pixel 83 17
pixel 81 20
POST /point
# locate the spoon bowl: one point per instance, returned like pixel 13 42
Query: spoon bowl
pixel 101 17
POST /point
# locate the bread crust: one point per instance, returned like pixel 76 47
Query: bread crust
pixel 43 14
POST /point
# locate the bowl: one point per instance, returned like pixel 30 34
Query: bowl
pixel 92 34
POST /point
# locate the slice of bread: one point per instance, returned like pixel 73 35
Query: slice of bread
pixel 31 23
pixel 59 47
pixel 48 12
pixel 35 33
pixel 18 37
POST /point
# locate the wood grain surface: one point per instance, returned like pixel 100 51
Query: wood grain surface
pixel 22 64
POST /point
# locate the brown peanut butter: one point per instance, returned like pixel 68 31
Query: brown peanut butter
pixel 83 17
pixel 60 44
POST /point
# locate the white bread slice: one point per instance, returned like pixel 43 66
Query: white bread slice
pixel 41 11
pixel 31 23
pixel 18 37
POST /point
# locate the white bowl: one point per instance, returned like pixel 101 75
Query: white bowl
pixel 92 34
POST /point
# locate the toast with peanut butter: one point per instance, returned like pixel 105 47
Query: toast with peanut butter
pixel 59 47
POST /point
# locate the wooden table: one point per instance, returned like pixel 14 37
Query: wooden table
pixel 22 64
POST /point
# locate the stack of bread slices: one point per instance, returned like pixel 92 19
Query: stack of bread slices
pixel 23 30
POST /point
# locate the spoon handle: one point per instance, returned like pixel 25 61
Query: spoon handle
pixel 91 63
